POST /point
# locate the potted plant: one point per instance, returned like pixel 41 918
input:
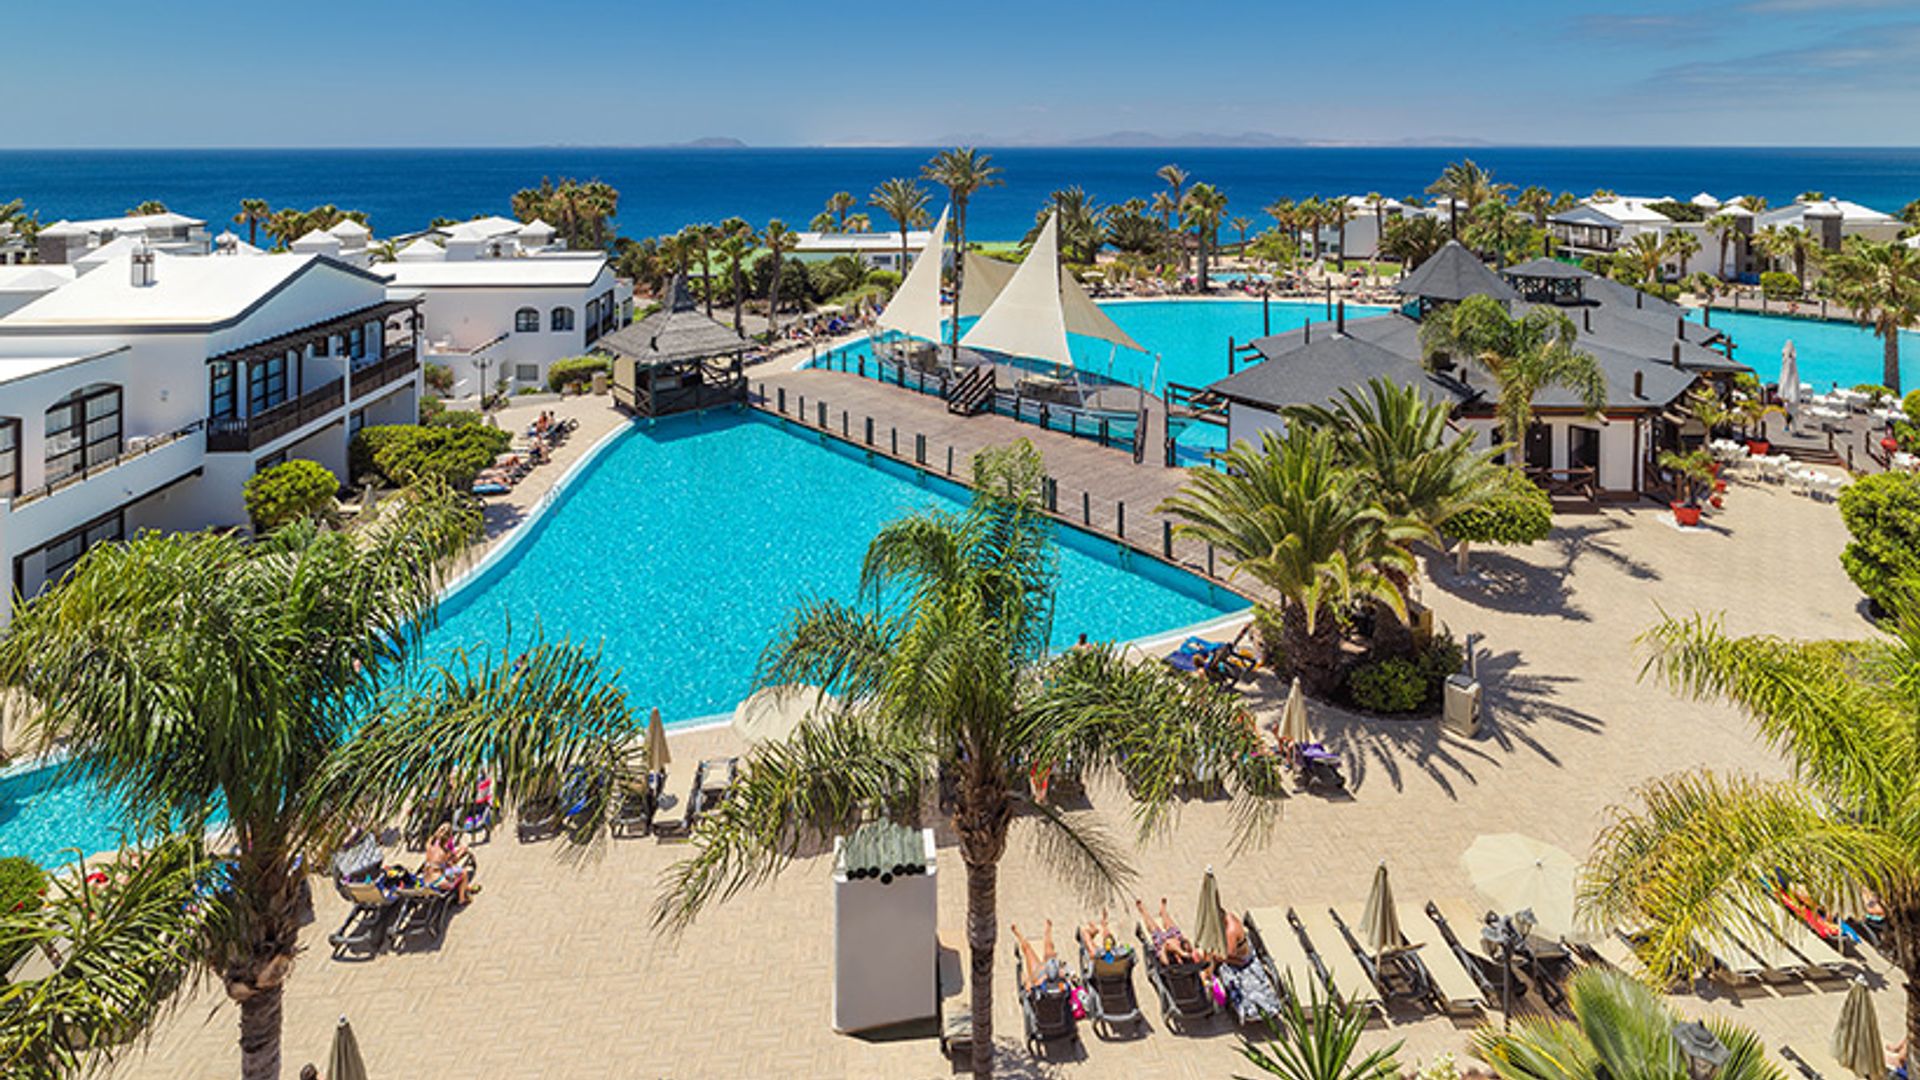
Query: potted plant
pixel 1694 473
pixel 1751 407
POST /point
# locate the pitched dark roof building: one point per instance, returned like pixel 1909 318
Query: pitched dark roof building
pixel 678 332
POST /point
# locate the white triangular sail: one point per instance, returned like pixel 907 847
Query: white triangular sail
pixel 1026 319
pixel 915 307
pixel 980 286
pixel 1085 318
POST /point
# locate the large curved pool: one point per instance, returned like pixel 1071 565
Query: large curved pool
pixel 679 550
pixel 1828 354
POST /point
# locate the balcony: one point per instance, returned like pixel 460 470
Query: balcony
pixel 148 465
pixel 230 434
pixel 137 449
pixel 399 362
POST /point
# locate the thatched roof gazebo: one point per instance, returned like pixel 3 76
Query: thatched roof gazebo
pixel 676 360
pixel 1451 275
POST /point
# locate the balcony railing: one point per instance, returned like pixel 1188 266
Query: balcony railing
pixel 242 433
pixel 136 449
pixel 400 361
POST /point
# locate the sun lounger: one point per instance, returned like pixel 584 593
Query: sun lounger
pixel 633 811
pixel 1465 959
pixel 1184 997
pixel 365 928
pixel 1613 949
pixel 1279 946
pixel 1348 977
pixel 1397 973
pixel 538 814
pixel 712 779
pixel 1048 1013
pixel 420 909
pixel 1109 995
pixel 1820 958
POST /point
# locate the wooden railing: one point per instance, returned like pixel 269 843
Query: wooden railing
pixel 229 434
pixel 399 362
pixel 1579 483
pixel 131 454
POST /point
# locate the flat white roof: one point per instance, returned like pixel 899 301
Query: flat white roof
pixel 165 220
pixel 188 290
pixel 485 228
pixel 1850 212
pixel 502 273
pixel 866 241
pixel 35 277
pixel 15 368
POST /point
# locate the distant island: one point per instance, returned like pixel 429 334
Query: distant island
pixel 1192 140
pixel 706 142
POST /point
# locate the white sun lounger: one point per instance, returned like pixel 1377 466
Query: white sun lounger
pixel 1455 990
pixel 1284 953
pixel 1343 967
pixel 1821 959
pixel 1616 952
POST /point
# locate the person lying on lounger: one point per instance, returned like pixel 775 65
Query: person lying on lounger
pixel 1042 974
pixel 443 869
pixel 1109 958
pixel 1168 942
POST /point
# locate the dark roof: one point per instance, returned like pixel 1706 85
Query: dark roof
pixel 1547 268
pixel 1299 371
pixel 1453 273
pixel 678 332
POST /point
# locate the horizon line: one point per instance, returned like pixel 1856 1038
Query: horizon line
pixel 686 146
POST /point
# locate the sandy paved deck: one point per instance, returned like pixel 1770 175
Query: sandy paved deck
pixel 553 972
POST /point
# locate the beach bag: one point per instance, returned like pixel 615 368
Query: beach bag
pixel 1079 1004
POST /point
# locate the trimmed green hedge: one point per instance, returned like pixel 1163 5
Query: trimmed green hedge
pixel 1393 685
pixel 1519 513
pixel 1779 285
pixel 290 491
pixel 452 452
pixel 575 369
pixel 1883 514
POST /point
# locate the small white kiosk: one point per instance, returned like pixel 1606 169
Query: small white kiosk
pixel 886 910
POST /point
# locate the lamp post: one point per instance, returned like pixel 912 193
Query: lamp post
pixel 1506 934
pixel 1704 1052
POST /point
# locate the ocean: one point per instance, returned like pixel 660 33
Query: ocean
pixel 662 189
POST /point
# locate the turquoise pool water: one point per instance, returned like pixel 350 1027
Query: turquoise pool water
pixel 1828 353
pixel 680 550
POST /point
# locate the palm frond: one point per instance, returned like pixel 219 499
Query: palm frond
pixel 1317 1038
pixel 1077 848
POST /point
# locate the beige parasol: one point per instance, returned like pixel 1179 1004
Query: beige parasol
pixel 1380 924
pixel 1210 923
pixel 658 754
pixel 1293 716
pixel 1514 873
pixel 1856 1039
pixel 773 713
pixel 345 1062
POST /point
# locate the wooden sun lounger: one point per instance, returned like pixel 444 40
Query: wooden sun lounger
pixel 1771 959
pixel 1454 988
pixel 1343 968
pixel 1286 958
pixel 1822 959
pixel 1615 951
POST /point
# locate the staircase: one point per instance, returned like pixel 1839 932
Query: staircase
pixel 973 394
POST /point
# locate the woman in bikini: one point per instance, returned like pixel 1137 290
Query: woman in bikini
pixel 1042 972
pixel 1168 942
pixel 444 868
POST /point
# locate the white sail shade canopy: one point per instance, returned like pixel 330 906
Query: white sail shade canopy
pixel 915 307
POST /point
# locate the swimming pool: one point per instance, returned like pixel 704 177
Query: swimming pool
pixel 680 549
pixel 1828 353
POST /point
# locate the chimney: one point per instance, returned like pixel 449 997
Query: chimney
pixel 142 265
pixel 1586 320
pixel 1676 354
pixel 1639 381
pixel 1680 327
pixel 1639 299
pixel 1340 318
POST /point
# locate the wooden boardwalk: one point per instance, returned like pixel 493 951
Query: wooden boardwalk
pixel 1098 488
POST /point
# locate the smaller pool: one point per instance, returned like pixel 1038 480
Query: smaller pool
pixel 1829 354
pixel 46 819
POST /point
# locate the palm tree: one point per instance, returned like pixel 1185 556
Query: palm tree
pixel 1496 230
pixel 1082 224
pixel 149 206
pixel 253 212
pixel 1536 202
pixel 906 203
pixel 1317 1039
pixel 1465 182
pixel 1292 515
pixel 1175 178
pixel 1524 355
pixel 1377 203
pixel 1286 215
pixel 1705 852
pixel 1646 255
pixel 285 226
pixel 1412 240
pixel 962 171
pixel 1881 283
pixel 1307 215
pixel 779 240
pixel 274 682
pixel 1679 246
pixel 1202 211
pixel 1753 203
pixel 737 241
pixel 1336 212
pixel 834 217
pixel 1792 243
pixel 954 681
pixel 1240 224
pixel 701 239
pixel 1619 1029
pixel 1723 228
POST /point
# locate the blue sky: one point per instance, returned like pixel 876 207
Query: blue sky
pixel 113 73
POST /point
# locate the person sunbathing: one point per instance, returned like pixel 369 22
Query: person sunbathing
pixel 1108 957
pixel 1168 942
pixel 444 868
pixel 1042 973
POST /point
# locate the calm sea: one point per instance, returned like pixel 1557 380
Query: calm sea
pixel 402 190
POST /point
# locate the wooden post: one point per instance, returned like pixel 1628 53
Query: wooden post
pixel 896 442
pixel 783 401
pixel 863 365
pixel 1120 519
pixel 1103 431
pixel 823 415
pixel 919 448
pixel 843 423
pixel 1266 314
pixel 1086 508
pixel 1209 560
pixel 1166 538
pixel 949 459
pixel 1229 354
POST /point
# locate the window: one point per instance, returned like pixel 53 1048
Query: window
pixel 526 321
pixel 562 319
pixel 222 402
pixel 266 384
pixel 83 430
pixel 526 373
pixel 62 553
pixel 10 456
pixel 356 420
pixel 357 342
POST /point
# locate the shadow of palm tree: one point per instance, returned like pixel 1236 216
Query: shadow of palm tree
pixel 1503 582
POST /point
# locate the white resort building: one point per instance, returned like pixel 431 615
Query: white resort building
pixel 875 250
pixel 144 392
pixel 69 241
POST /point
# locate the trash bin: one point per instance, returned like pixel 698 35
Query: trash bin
pixel 599 383
pixel 1461 714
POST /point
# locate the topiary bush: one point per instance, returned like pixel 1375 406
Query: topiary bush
pixel 574 370
pixel 290 491
pixel 1517 513
pixel 1779 285
pixel 1882 512
pixel 1392 685
pixel 438 377
pixel 452 452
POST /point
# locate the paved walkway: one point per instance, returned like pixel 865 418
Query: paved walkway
pixel 554 971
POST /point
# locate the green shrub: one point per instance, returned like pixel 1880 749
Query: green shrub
pixel 1269 636
pixel 1392 685
pixel 455 418
pixel 575 369
pixel 438 377
pixel 886 279
pixel 452 452
pixel 1779 285
pixel 1441 657
pixel 1518 513
pixel 1877 395
pixel 290 491
pixel 22 884
pixel 1882 512
pixel 1911 406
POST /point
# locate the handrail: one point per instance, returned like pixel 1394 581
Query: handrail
pixel 250 432
pixel 153 443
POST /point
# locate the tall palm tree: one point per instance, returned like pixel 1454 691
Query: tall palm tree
pixel 953 679
pixel 1793 244
pixel 1536 202
pixel 1336 212
pixel 1307 215
pixel 253 213
pixel 1285 214
pixel 1524 355
pixel 1881 283
pixel 1204 207
pixel 1679 246
pixel 1496 230
pixel 906 203
pixel 1464 181
pixel 1082 223
pixel 275 682
pixel 1647 255
pixel 779 240
pixel 1704 852
pixel 962 171
pixel 737 241
pixel 1175 178
pixel 1292 515
pixel 834 217
pixel 1723 228
pixel 1240 224
pixel 1753 203
pixel 1619 1029
pixel 1412 240
pixel 1377 203
pixel 702 238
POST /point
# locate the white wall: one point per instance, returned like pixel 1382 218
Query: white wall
pixel 466 318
